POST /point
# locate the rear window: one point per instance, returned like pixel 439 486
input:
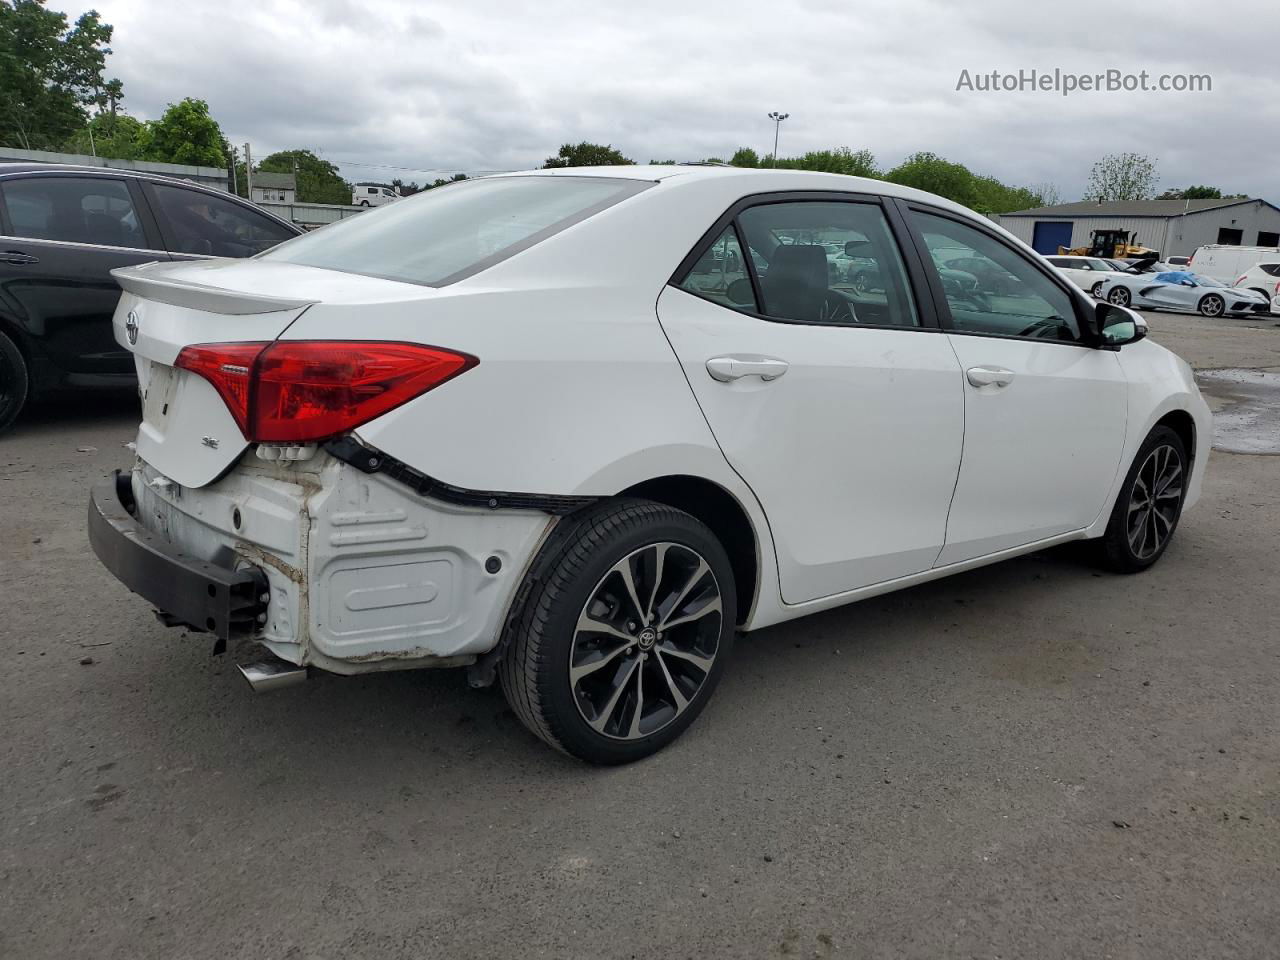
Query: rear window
pixel 452 232
pixel 1271 268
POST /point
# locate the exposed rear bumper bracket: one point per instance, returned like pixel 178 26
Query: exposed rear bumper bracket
pixel 188 591
pixel 368 460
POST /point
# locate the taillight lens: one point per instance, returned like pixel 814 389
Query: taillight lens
pixel 228 367
pixel 298 391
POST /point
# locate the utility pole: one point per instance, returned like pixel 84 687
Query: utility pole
pixel 248 173
pixel 777 119
pixel 235 185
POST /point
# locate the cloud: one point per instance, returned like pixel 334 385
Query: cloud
pixel 495 84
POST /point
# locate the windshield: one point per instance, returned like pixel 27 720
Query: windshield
pixel 448 233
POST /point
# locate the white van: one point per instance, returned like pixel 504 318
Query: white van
pixel 372 195
pixel 1227 263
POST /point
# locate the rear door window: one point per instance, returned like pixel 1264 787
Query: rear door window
pixel 720 274
pixel 199 222
pixel 442 235
pixel 93 210
pixel 830 262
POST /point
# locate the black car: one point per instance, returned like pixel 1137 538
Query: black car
pixel 62 230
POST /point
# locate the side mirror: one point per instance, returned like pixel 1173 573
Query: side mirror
pixel 1119 325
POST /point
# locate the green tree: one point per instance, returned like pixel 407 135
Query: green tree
pixel 744 157
pixel 859 163
pixel 1191 193
pixel 587 155
pixel 107 135
pixel 318 180
pixel 928 171
pixel 49 74
pixel 1122 176
pixel 187 134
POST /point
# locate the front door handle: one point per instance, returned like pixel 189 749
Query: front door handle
pixel 725 369
pixel 989 376
pixel 17 257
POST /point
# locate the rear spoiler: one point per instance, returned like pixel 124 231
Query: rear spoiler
pixel 146 281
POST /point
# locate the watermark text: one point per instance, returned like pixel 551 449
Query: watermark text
pixel 1065 83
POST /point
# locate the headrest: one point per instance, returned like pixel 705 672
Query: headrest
pixel 804 262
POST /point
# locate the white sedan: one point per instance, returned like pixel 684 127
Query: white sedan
pixel 1087 273
pixel 463 430
pixel 1179 290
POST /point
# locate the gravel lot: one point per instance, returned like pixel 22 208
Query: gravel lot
pixel 1032 760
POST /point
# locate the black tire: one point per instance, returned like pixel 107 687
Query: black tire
pixel 1212 306
pixel 1119 296
pixel 1119 550
pixel 364 203
pixel 15 383
pixel 566 583
pixel 1096 290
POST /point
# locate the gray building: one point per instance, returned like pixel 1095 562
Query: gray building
pixel 215 177
pixel 1174 227
pixel 274 187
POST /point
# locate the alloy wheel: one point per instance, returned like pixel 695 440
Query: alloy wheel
pixel 1154 501
pixel 1119 296
pixel 1212 305
pixel 646 641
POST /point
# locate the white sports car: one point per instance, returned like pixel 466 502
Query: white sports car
pixel 1179 290
pixel 576 429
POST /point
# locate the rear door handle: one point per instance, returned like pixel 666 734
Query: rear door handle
pixel 17 257
pixel 725 369
pixel 989 376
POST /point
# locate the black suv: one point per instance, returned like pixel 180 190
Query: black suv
pixel 62 229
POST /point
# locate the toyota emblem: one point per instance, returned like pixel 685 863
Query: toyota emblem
pixel 131 327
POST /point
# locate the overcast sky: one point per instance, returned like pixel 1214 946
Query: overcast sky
pixel 498 85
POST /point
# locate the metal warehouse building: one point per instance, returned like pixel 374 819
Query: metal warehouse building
pixel 1174 227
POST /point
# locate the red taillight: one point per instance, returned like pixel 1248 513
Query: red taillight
pixel 297 391
pixel 228 367
pixel 1240 279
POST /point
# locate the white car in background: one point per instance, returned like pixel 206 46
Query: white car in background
pixel 1087 273
pixel 583 456
pixel 1263 278
pixel 372 195
pixel 1180 290
pixel 1225 262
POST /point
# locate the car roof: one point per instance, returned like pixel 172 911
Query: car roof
pixel 16 167
pixel 758 178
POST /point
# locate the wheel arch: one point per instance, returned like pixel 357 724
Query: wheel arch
pixel 724 515
pixel 1184 425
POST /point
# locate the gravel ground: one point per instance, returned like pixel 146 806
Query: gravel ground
pixel 1031 760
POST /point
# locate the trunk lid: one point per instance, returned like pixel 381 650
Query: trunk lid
pixel 187 432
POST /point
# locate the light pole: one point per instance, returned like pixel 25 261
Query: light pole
pixel 777 119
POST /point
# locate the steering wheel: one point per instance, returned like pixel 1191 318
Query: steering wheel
pixel 837 309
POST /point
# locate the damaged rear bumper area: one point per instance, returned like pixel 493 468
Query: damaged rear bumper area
pixel 322 563
pixel 186 591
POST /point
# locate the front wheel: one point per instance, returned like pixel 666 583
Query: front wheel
pixel 625 634
pixel 1211 306
pixel 1119 296
pixel 1150 502
pixel 14 382
pixel 1096 290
